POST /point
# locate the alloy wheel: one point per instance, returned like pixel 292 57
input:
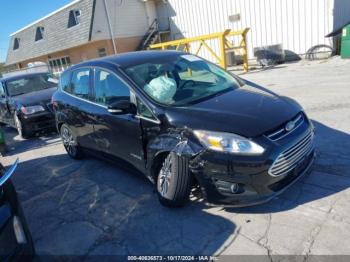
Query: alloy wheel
pixel 165 177
pixel 69 141
pixel 18 125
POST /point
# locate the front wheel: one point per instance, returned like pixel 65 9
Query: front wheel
pixel 21 130
pixel 69 142
pixel 174 181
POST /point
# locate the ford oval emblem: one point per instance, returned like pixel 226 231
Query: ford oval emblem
pixel 290 126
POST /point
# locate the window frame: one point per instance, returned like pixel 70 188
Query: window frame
pixel 95 68
pixel 39 31
pixel 59 69
pixel 3 93
pixel 133 96
pixel 70 82
pixel 76 18
pixel 102 50
pixel 16 43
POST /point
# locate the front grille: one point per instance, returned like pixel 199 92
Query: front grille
pixel 291 158
pixel 281 131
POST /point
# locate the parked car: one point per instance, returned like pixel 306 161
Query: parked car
pixel 185 121
pixel 25 102
pixel 15 238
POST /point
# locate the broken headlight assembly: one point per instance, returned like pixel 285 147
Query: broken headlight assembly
pixel 227 142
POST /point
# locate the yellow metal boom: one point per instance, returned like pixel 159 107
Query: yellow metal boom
pixel 224 43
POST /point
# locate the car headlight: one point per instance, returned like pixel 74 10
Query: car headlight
pixel 227 142
pixel 28 110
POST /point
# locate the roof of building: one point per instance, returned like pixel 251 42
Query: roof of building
pixel 338 30
pixel 47 16
pixel 58 34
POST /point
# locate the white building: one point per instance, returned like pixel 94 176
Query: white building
pixel 296 24
pixel 86 29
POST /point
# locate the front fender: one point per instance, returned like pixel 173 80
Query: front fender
pixel 181 142
pixel 60 119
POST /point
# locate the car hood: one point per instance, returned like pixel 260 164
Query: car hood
pixel 249 111
pixel 35 98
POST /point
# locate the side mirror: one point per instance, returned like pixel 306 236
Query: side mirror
pixel 122 107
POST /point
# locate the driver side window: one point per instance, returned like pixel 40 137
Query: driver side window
pixel 80 83
pixel 109 88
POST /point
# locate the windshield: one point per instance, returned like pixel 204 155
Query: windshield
pixel 181 80
pixel 30 83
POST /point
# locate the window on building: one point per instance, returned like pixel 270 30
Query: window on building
pixel 39 34
pixel 109 88
pixel 80 84
pixel 102 52
pixel 58 65
pixel 74 18
pixel 16 43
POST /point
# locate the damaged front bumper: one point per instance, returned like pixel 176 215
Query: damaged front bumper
pixel 38 122
pixel 238 181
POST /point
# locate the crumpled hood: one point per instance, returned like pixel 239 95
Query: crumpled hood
pixel 249 111
pixel 35 98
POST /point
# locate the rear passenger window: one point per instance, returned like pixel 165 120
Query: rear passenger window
pixel 109 88
pixel 80 83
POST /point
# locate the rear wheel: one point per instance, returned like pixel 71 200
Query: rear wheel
pixel 69 142
pixel 21 130
pixel 174 181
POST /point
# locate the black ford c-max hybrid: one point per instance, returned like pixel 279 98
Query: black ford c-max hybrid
pixel 185 122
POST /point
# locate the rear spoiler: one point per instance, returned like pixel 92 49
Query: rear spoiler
pixel 8 173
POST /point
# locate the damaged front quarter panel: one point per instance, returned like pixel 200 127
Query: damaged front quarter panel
pixel 180 141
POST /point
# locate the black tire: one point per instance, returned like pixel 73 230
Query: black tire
pixel 175 173
pixel 69 142
pixel 21 130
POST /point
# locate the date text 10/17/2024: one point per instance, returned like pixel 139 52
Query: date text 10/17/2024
pixel 172 258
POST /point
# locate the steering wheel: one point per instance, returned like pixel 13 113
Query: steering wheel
pixel 186 83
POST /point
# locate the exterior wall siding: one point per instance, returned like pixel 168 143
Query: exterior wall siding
pixel 88 51
pixel 56 36
pixel 296 24
pixel 127 19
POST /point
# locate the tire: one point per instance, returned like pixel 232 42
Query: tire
pixel 69 142
pixel 174 181
pixel 21 130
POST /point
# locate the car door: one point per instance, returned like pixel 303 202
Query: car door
pixel 116 134
pixel 80 108
pixel 5 113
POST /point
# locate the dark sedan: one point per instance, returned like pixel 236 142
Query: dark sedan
pixel 25 102
pixel 184 121
pixel 15 239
